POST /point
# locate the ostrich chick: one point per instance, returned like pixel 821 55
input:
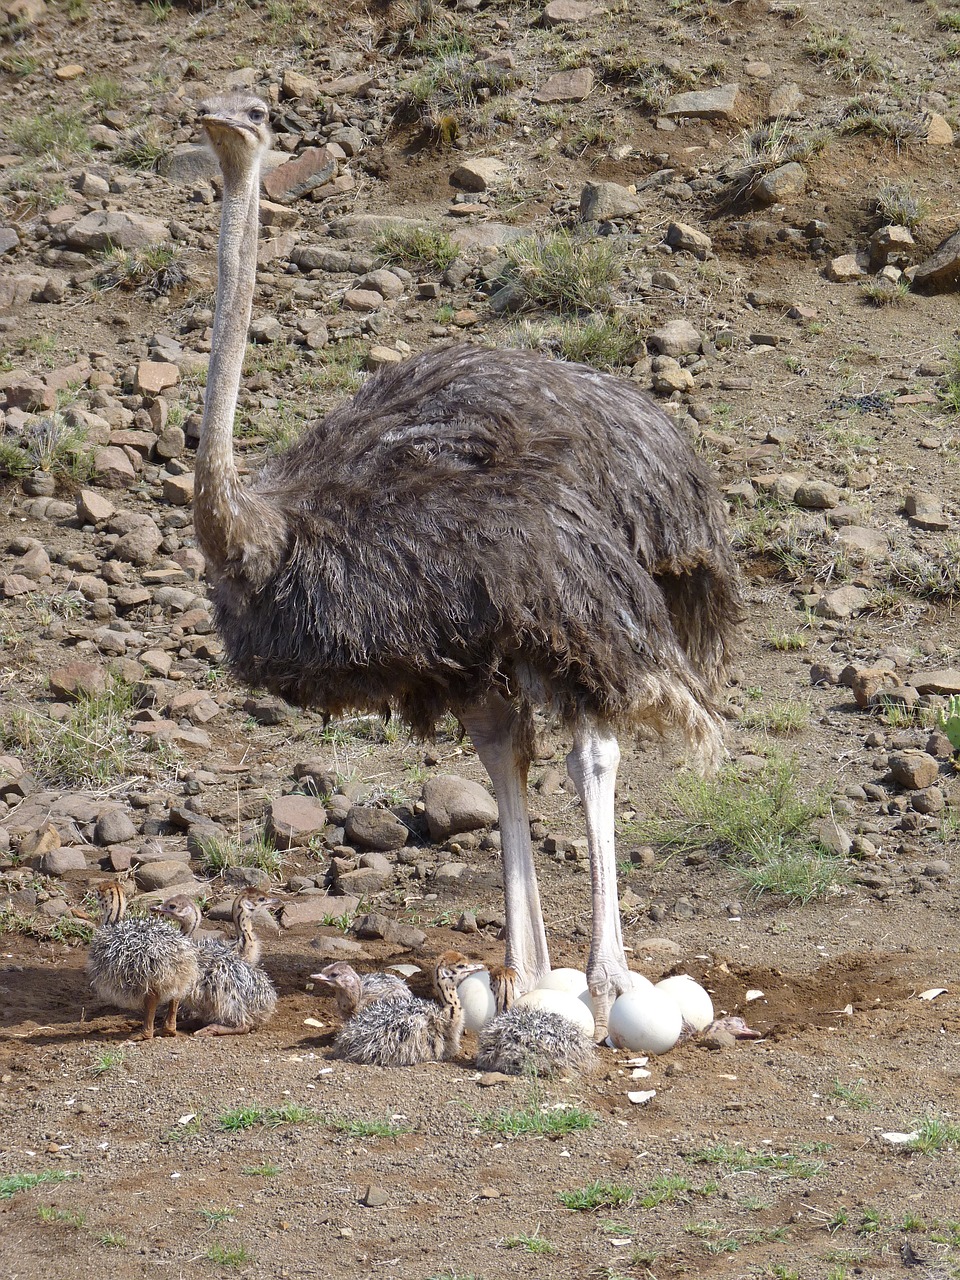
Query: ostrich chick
pixel 353 991
pixel 389 1033
pixel 529 1041
pixel 139 963
pixel 232 995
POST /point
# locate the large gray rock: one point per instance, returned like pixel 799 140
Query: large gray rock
pixel 369 828
pixel 294 820
pixel 106 229
pixel 453 804
pixel 676 338
pixel 601 201
pixel 162 874
pixel 723 103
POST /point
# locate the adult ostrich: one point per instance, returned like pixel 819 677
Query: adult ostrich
pixel 482 532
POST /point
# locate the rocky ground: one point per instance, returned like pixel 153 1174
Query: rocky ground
pixel 747 208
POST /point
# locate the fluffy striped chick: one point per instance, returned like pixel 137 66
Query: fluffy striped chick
pixel 391 1033
pixel 232 995
pixel 139 962
pixel 529 1041
pixel 353 991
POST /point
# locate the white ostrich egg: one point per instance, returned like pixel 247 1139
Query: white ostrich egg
pixel 562 1002
pixel 695 1003
pixel 477 1000
pixel 572 980
pixel 649 1021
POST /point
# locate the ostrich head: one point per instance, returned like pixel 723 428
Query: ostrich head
pixel 237 126
pixel 181 911
pixel 247 904
pixel 342 977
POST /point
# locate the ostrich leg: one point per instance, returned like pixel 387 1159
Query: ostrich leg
pixel 491 727
pixel 592 764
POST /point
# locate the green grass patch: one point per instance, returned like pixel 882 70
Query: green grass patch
pixel 265 1170
pixel 597 1195
pixel 60 1217
pixel 247 1117
pixel 218 852
pixel 14 1183
pixel 530 1244
pixel 739 1160
pixel 89 748
pixel 228 1257
pixel 366 1128
pixel 565 272
pixel 417 248
pixel 759 823
pixel 534 1120
pixel 61 135
pixel 605 342
pixel 935 1134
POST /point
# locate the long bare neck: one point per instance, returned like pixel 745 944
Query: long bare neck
pixel 248 944
pixel 113 905
pixel 239 531
pixel 453 1010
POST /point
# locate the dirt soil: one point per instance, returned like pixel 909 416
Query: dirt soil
pixel 764 1158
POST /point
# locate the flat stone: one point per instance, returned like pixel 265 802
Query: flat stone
pixel 945 681
pixel 112 468
pixel 163 873
pixel 453 805
pixel 106 229
pixel 566 86
pixel 680 235
pixel 382 281
pixel 817 495
pixel 362 300
pixel 178 490
pixel 559 13
pixel 363 882
pixel 374 925
pixel 78 679
pixel 869 542
pixel 479 173
pixel 60 861
pixel 941 271
pixel 311 168
pixel 603 201
pixel 315 908
pixel 93 507
pixel 923 510
pixel 843 603
pixel 726 102
pixel 154 376
pixel 844 269
pixel 188 163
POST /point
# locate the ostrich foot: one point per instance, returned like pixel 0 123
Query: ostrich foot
pixel 606 982
pixel 215 1029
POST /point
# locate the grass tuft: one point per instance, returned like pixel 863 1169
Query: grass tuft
pixel 597 1195
pixel 759 823
pixel 14 1183
pixel 565 272
pixel 533 1119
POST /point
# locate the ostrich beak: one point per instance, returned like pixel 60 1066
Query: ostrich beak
pixel 322 977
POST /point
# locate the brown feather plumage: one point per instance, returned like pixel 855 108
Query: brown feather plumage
pixel 477 521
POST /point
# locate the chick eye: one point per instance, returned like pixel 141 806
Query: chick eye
pixel 257 115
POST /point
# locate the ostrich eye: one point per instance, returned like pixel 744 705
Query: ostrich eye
pixel 257 115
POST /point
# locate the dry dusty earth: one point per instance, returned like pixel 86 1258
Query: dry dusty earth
pixel 766 1158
